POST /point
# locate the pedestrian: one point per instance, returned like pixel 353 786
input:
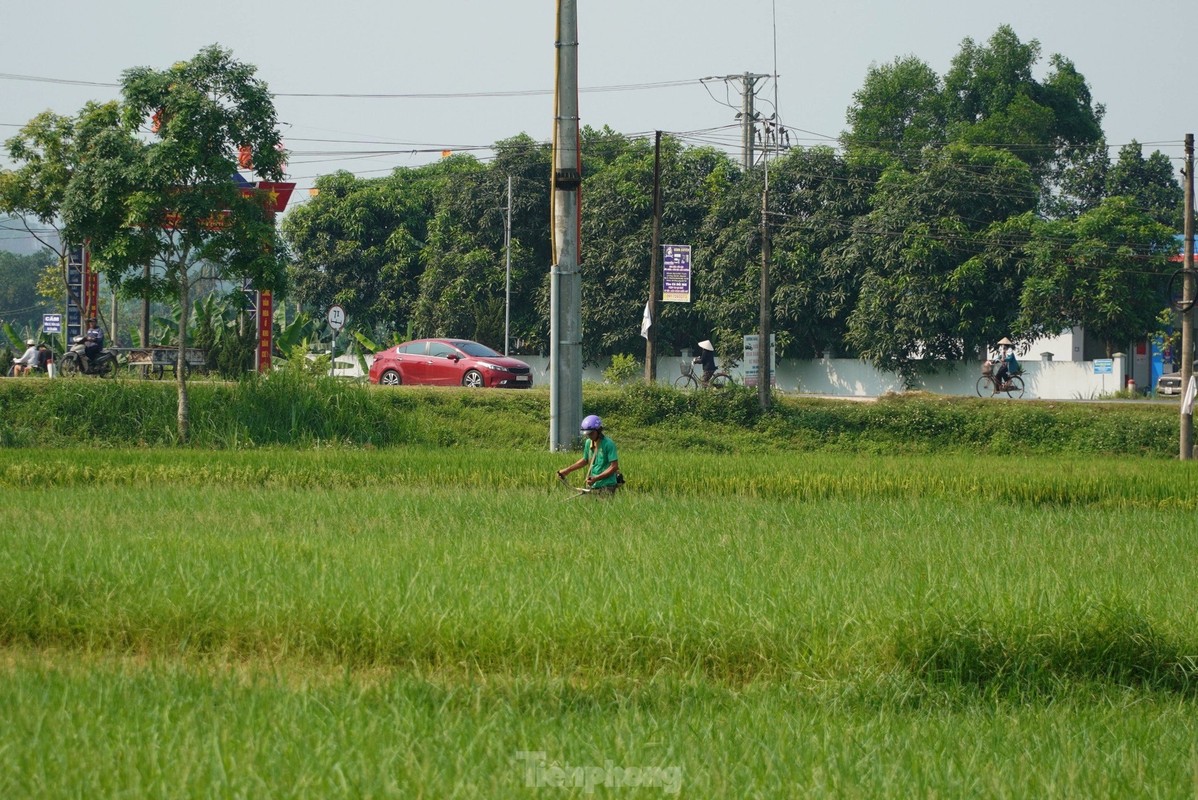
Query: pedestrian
pixel 600 459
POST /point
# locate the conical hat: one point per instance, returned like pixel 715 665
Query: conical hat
pixel 707 345
pixel 1005 340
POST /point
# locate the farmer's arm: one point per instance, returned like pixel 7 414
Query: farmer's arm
pixel 612 469
pixel 579 464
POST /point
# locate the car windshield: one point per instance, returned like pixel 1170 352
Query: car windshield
pixel 475 349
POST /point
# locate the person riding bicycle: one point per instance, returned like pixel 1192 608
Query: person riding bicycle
pixel 599 457
pixel 706 357
pixel 1007 365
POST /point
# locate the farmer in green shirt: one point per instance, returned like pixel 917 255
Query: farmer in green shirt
pixel 599 457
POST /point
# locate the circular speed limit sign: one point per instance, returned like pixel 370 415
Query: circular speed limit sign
pixel 336 318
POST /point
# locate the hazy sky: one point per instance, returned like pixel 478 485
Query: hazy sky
pixel 1134 55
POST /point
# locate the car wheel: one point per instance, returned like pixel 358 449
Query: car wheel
pixel 390 378
pixel 473 378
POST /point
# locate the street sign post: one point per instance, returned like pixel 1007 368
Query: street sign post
pixel 336 318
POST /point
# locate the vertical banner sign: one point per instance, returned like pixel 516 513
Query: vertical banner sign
pixel 676 273
pixel 91 289
pixel 265 328
pixel 751 365
pixel 74 293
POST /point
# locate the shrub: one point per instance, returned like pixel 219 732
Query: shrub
pixel 623 369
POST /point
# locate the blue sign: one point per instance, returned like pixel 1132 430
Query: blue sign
pixel 1104 366
pixel 51 323
pixel 676 273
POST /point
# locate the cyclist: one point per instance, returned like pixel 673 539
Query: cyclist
pixel 599 457
pixel 706 357
pixel 1007 365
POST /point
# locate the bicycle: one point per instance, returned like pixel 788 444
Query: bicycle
pixel 688 379
pixel 1012 387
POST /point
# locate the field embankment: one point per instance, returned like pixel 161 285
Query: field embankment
pixel 293 410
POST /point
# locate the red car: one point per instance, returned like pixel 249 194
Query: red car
pixel 448 362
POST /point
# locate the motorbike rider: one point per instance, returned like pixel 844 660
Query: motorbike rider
pixel 28 360
pixel 93 342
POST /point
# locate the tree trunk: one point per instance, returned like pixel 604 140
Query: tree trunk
pixel 181 360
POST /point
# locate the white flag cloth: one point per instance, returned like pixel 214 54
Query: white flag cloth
pixel 1187 402
pixel 646 321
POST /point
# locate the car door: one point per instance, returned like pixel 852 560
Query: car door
pixel 412 360
pixel 443 368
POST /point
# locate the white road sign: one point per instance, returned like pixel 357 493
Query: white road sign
pixel 336 318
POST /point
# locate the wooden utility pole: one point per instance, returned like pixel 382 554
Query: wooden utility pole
pixel 763 333
pixel 654 265
pixel 1187 314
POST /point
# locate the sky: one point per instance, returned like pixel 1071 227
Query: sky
pixel 1134 56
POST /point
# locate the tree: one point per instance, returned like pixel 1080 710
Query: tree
pixel 49 153
pixel 358 243
pixel 170 202
pixel 899 110
pixel 20 301
pixel 928 291
pixel 1150 182
pixel 1105 270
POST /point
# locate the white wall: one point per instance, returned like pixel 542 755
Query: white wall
pixel 848 377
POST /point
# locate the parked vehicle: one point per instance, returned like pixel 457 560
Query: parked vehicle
pixel 448 362
pixel 1170 382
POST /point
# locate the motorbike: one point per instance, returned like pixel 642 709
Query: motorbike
pixel 73 362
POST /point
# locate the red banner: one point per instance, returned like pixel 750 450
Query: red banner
pixel 265 329
pixel 91 288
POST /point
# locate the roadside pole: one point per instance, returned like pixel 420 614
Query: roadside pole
pixel 1187 314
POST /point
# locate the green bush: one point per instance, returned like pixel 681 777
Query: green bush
pixel 623 369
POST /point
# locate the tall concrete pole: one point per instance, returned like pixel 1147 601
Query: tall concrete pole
pixel 1187 316
pixel 746 119
pixel 565 284
pixel 507 270
pixel 654 265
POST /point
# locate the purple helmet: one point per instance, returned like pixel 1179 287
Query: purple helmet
pixel 592 423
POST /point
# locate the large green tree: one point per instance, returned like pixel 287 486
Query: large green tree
pixel 49 152
pixel 1105 271
pixel 168 200
pixel 358 243
pixel 929 291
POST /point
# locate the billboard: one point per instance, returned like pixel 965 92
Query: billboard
pixel 676 273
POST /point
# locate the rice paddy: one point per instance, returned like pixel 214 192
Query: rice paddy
pixel 423 622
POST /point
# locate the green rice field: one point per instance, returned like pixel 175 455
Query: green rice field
pixel 422 622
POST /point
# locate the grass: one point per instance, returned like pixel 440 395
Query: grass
pixel 405 622
pixel 293 410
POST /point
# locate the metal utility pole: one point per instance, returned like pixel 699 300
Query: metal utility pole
pixel 507 291
pixel 565 284
pixel 1187 315
pixel 654 265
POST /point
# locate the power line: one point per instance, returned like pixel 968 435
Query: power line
pixel 625 87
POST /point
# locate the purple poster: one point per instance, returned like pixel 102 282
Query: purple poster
pixel 676 273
